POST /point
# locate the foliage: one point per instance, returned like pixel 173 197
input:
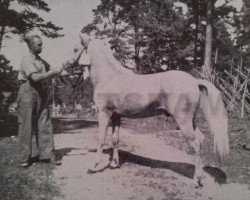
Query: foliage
pixel 146 32
pixel 244 35
pixel 8 76
pixel 15 21
pixel 225 18
pixel 9 83
pixel 150 33
pixel 73 90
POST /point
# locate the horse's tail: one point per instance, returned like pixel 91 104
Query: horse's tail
pixel 216 115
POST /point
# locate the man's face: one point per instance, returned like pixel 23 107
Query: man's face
pixel 36 45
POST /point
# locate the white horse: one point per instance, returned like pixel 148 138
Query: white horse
pixel 118 92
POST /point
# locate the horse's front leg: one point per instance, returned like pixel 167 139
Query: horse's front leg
pixel 115 141
pixel 103 120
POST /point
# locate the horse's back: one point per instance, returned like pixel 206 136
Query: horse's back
pixel 176 81
pixel 169 82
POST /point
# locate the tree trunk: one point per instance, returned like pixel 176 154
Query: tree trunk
pixel 216 55
pixel 217 49
pixel 196 32
pixel 137 50
pixel 5 6
pixel 1 37
pixel 207 67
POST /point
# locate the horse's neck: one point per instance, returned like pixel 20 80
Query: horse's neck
pixel 105 66
pixel 101 74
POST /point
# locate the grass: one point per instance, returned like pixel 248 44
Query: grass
pixel 32 183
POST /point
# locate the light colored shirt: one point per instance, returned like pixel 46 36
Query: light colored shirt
pixel 32 64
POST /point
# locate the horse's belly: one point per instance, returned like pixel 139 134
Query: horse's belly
pixel 142 114
pixel 140 111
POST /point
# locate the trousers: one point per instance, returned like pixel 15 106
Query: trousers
pixel 33 118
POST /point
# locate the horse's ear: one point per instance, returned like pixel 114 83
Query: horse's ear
pixel 85 39
pixel 77 48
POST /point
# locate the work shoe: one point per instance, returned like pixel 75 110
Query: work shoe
pixel 247 146
pixel 24 164
pixel 52 161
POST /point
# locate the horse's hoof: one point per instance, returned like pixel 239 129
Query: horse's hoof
pixel 90 171
pixel 246 147
pixel 199 182
pixel 114 166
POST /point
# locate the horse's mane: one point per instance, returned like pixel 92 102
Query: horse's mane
pixel 104 54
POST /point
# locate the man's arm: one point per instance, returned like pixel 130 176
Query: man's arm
pixel 38 77
pixel 27 66
pixel 47 74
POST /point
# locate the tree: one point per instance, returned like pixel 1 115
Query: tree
pixel 8 78
pixel 147 32
pixel 154 32
pixel 73 89
pixel 21 22
pixel 244 33
pixel 216 48
pixel 207 67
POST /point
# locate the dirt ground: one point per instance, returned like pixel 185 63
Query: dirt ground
pixel 155 163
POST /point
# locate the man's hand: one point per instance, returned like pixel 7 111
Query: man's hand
pixel 12 109
pixel 56 72
pixel 64 73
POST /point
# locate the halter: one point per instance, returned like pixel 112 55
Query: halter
pixel 79 66
pixel 77 70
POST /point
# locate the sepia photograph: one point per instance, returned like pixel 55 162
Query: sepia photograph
pixel 124 100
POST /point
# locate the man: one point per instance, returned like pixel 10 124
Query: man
pixel 33 109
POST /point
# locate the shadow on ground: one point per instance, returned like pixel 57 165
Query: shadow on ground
pixel 60 153
pixel 62 125
pixel 9 125
pixel 181 168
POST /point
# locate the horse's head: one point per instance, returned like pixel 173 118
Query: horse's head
pixel 78 64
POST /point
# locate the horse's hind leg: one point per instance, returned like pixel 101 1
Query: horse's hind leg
pixel 116 119
pixel 103 120
pixel 197 145
pixel 195 140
